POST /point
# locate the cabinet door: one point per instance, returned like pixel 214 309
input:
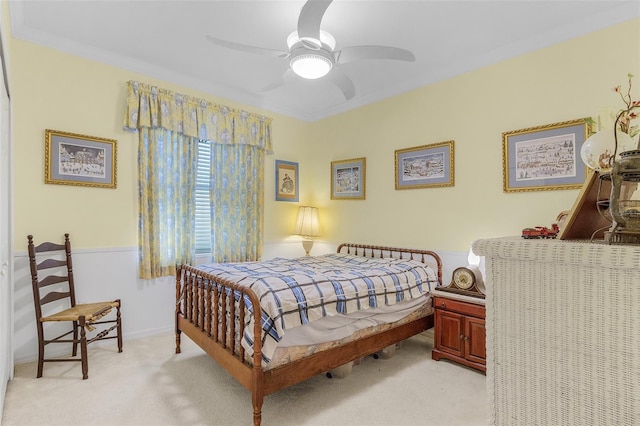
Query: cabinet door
pixel 449 332
pixel 475 347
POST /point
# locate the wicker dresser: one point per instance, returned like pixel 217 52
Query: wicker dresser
pixel 563 332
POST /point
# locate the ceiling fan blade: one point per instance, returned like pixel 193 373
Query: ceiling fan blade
pixel 248 49
pixel 356 53
pixel 278 82
pixel 309 22
pixel 343 82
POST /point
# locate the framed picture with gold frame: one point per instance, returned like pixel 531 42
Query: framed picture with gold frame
pixel 426 166
pixel 349 179
pixel 73 159
pixel 545 157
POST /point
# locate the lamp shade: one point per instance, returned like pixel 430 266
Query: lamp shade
pixel 307 223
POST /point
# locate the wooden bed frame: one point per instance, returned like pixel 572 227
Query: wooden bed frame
pixel 203 315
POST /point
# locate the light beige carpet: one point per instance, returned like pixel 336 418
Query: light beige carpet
pixel 148 384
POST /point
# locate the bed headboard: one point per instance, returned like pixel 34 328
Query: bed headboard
pixel 429 257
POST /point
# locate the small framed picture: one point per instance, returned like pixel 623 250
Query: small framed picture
pixel 545 157
pixel 286 181
pixel 426 166
pixel 72 159
pixel 348 179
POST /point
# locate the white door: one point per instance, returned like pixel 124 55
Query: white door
pixel 6 240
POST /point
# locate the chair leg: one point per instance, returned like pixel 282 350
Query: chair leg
pixel 119 330
pixel 40 349
pixel 83 349
pixel 74 351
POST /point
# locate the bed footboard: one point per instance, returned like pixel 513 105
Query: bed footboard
pixel 214 313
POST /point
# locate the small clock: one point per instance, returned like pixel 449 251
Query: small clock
pixel 466 280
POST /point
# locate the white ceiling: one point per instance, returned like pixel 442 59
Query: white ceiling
pixel 166 40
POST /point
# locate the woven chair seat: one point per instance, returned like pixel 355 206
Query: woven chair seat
pixel 91 312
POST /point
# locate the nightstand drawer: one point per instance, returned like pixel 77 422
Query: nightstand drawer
pixel 458 306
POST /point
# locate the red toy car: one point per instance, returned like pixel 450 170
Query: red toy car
pixel 541 232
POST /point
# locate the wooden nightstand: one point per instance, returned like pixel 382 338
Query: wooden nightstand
pixel 459 332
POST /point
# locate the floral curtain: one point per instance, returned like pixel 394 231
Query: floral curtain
pixel 166 219
pixel 178 123
pixel 237 199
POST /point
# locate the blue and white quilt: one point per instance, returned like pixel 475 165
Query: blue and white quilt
pixel 294 292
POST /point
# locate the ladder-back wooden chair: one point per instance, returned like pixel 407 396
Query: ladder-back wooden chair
pixel 55 301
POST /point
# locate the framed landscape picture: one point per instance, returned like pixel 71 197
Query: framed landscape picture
pixel 545 157
pixel 286 181
pixel 426 166
pixel 73 159
pixel 348 179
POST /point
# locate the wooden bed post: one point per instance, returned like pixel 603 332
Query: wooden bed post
pixel 258 398
pixel 178 300
pixel 257 393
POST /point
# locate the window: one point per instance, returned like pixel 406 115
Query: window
pixel 168 155
pixel 203 199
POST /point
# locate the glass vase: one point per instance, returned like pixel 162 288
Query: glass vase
pixel 597 149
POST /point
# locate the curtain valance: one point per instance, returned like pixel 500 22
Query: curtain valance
pixel 153 107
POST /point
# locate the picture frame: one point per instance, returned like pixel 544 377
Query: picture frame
pixel 545 158
pixel 74 159
pixel 287 181
pixel 425 166
pixel 349 179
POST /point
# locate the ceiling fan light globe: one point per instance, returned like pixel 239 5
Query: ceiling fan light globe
pixel 310 66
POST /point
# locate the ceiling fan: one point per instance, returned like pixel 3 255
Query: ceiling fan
pixel 311 53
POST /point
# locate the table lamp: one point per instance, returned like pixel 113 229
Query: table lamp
pixel 307 226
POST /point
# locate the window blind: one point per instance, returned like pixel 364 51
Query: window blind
pixel 203 199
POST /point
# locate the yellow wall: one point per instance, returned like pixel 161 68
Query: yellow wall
pixel 59 91
pixel 54 90
pixel 567 81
